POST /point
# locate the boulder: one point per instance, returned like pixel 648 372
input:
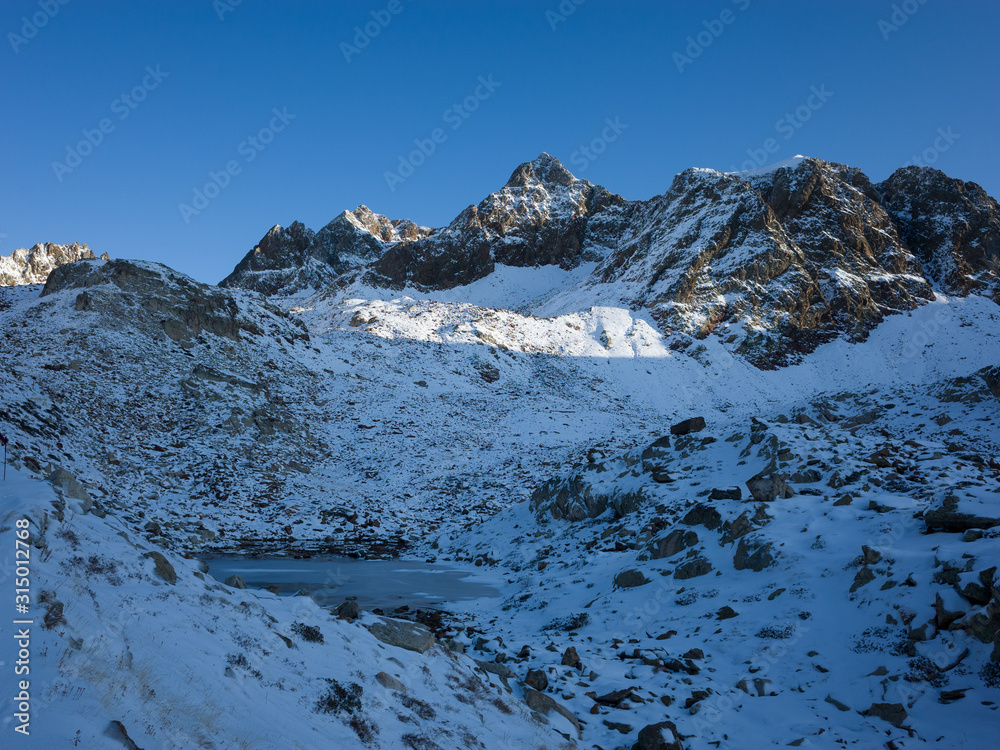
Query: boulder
pixel 544 704
pixel 695 424
pixel 70 487
pixel 570 657
pixel 769 487
pixel 660 736
pixel 236 581
pixel 703 515
pixel 537 679
pixel 390 683
pixel 349 611
pixel 727 493
pixel 402 634
pixel 163 567
pixel 628 579
pixel 676 541
pixel 697 566
pixel 894 713
pixel 947 518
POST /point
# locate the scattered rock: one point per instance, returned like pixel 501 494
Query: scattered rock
pixel 661 736
pixel 349 611
pixel 390 683
pixel 628 579
pixel 728 493
pixel 163 567
pixel 870 556
pixel 894 713
pixel 402 634
pixel 726 613
pixel 837 704
pixel 571 658
pixel 537 679
pixel 768 488
pixel 543 704
pixel 693 568
pixel 703 515
pixel 755 558
pixel 862 578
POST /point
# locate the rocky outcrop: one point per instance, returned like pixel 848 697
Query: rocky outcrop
pixel 290 260
pixel 952 226
pixel 34 266
pixel 575 499
pixel 542 216
pixel 175 305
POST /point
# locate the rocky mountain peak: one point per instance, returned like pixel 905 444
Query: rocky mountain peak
pixel 34 266
pixel 545 170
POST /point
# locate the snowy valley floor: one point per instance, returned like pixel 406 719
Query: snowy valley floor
pixel 833 617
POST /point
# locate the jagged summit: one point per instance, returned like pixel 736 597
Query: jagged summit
pixel 544 170
pixel 34 266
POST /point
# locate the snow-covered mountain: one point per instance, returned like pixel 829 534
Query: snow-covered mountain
pixel 34 266
pixel 776 261
pixel 728 456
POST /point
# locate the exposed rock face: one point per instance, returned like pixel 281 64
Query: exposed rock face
pixel 791 257
pixel 174 303
pixel 953 227
pixel 542 216
pixel 290 260
pixel 575 499
pixel 34 266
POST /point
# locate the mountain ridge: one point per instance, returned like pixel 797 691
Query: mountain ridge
pixel 789 257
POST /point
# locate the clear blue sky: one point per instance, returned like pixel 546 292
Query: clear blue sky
pixel 889 91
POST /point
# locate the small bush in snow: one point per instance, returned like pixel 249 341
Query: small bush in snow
pixel 572 622
pixel 308 633
pixel 990 674
pixel 340 699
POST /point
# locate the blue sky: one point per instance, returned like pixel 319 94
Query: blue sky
pixel 278 112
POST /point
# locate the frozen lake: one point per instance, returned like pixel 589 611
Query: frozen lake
pixel 372 583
